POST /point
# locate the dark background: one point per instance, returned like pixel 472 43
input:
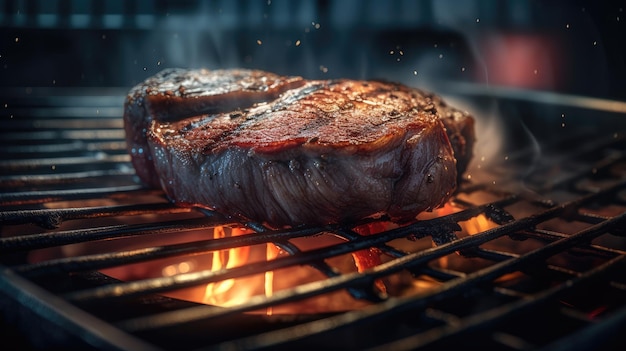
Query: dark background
pixel 573 47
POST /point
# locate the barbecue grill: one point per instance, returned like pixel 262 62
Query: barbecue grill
pixel 529 253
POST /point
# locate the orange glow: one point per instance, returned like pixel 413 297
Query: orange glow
pixel 271 253
pixel 477 225
pixel 472 226
pixel 222 293
pixel 365 259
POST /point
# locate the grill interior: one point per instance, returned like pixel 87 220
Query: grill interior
pixel 545 272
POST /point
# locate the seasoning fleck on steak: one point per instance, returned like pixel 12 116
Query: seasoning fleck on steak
pixel 287 151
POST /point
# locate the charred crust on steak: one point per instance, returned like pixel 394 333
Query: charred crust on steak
pixel 175 94
pixel 287 151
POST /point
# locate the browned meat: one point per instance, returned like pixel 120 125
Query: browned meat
pixel 460 129
pixel 286 151
pixel 174 94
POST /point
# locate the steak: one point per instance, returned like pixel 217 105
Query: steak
pixel 286 151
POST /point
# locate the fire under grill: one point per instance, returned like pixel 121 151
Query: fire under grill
pixel 529 254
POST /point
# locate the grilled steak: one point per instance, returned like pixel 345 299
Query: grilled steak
pixel 286 151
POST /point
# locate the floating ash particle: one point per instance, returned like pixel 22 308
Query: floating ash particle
pixel 323 68
pixel 259 42
pixel 297 42
pixel 414 73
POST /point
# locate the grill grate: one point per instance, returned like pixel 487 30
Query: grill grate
pixel 543 273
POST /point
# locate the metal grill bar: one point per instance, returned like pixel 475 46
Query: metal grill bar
pixel 9 182
pixel 52 218
pixel 38 197
pixel 38 241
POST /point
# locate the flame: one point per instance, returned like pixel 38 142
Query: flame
pixel 271 253
pixel 472 226
pixel 223 293
pixel 364 259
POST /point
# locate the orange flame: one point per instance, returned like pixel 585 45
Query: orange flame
pixel 222 293
pixel 271 253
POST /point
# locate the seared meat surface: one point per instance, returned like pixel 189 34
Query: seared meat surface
pixel 174 94
pixel 286 151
